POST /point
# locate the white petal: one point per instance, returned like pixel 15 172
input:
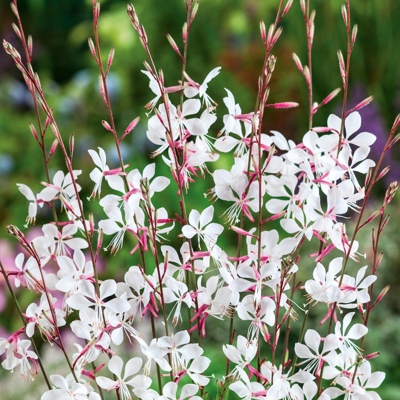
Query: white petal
pixel 132 366
pixel 107 288
pixel 188 231
pixel 206 216
pixel 115 366
pixel 352 123
pixel 159 184
pixel 105 383
pixel 357 331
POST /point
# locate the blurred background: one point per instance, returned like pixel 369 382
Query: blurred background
pixel 225 33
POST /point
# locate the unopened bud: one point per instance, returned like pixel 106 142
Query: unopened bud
pixel 390 192
pixel 297 62
pixel 91 223
pixel 110 59
pixel 394 141
pixel 383 173
pixel 184 32
pixel 287 8
pixel 106 125
pixel 311 25
pixel 368 177
pixel 102 90
pixel 330 96
pixel 342 67
pixel 382 294
pixel 143 36
pixel 47 122
pixel 194 11
pixel 306 73
pixel 100 239
pixel 286 104
pixel 33 131
pixel 53 148
pixel 16 30
pixel 378 260
pixel 303 7
pixel 263 32
pixel 384 223
pixel 96 12
pixel 14 10
pixel 372 355
pixel 321 129
pixel 354 35
pixel 132 125
pixel 396 124
pixel 370 218
pixel 241 231
pixel 129 128
pixel 71 145
pixel 344 15
pixel 277 35
pixel 173 45
pixel 30 46
pixel 161 77
pixel 270 34
pixel 360 105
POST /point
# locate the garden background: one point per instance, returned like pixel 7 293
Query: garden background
pixel 225 33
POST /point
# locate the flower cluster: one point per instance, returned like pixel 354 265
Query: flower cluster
pixel 310 188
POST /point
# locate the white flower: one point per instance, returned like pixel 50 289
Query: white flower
pixel 356 332
pixel 34 201
pixel 68 389
pixel 324 287
pixel 193 89
pixel 64 239
pixel 200 225
pixel 131 368
pixel 188 391
pixel 315 358
pixel 62 187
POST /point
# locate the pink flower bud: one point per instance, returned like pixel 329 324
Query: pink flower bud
pixel 303 7
pixel 174 46
pixel 16 30
pixel 306 73
pixel 263 32
pixel 276 35
pixel 287 8
pixel 360 105
pixel 297 62
pixel 354 35
pixel 102 90
pixel 71 145
pixel 396 124
pixel 330 96
pixel 110 59
pixel 14 10
pixel 184 32
pixel 381 295
pixel 96 12
pixel 241 231
pixel 194 11
pixel 107 125
pixel 372 355
pixel 30 47
pixel 285 104
pixel 33 131
pixel 129 128
pixel 270 35
pixel 394 141
pixel 344 15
